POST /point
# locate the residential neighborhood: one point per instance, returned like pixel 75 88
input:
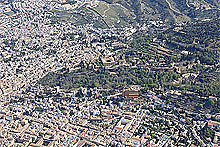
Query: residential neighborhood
pixel 69 85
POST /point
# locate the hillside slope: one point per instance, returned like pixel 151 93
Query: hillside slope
pixel 171 11
pixel 119 13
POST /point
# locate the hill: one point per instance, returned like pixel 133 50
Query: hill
pixel 119 13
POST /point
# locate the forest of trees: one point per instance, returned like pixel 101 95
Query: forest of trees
pixel 102 78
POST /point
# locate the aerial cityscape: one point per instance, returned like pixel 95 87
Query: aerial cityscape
pixel 111 73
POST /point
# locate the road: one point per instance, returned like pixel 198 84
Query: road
pixel 172 7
